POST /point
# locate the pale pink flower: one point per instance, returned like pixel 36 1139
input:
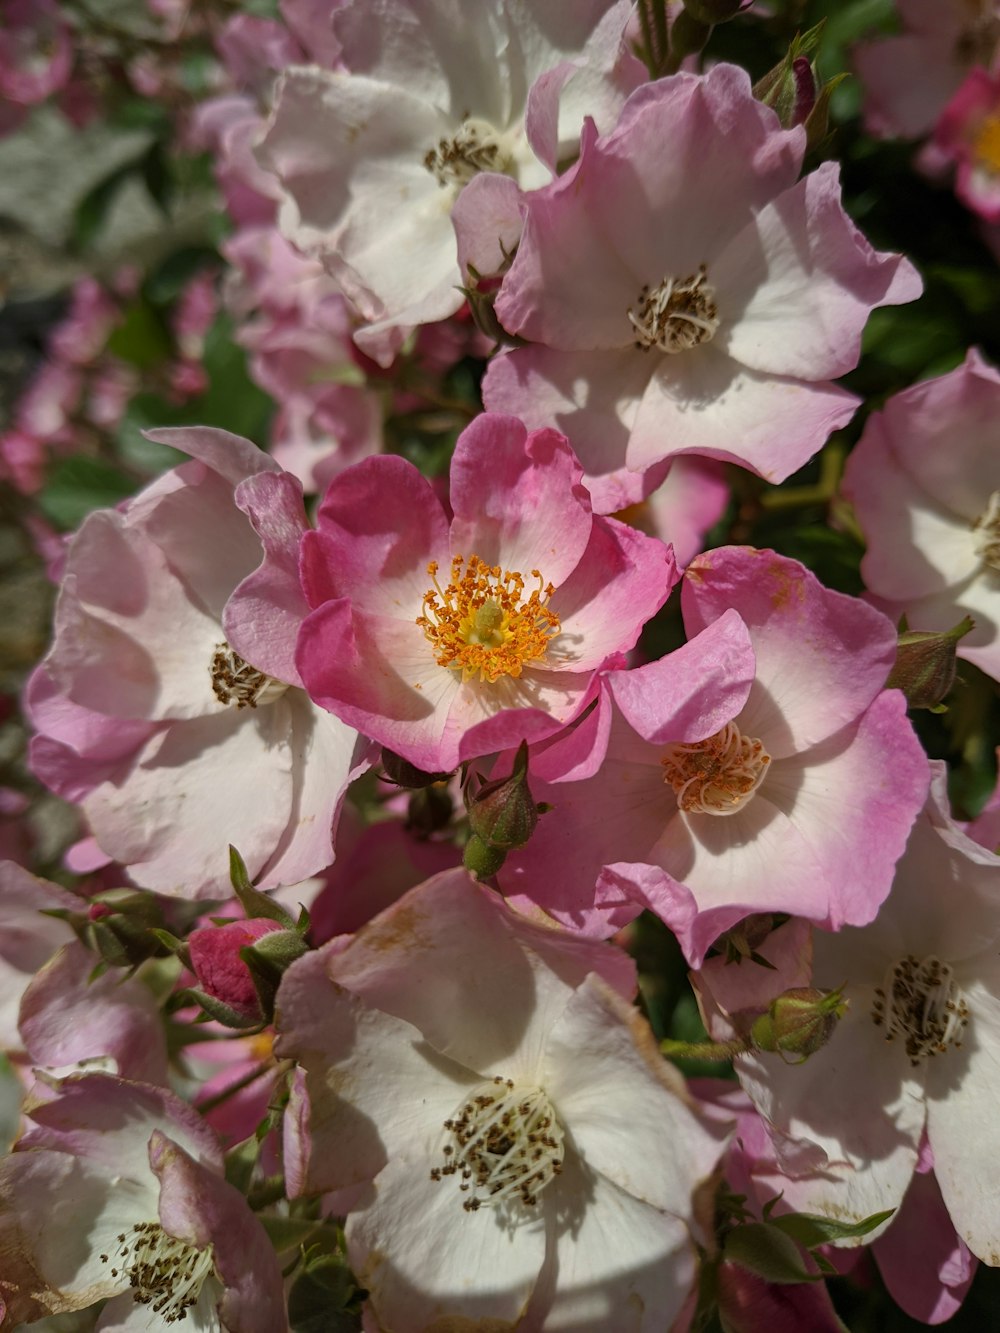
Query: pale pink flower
pixel 297 327
pixel 915 1053
pixel 968 133
pixel 27 939
pixel 36 51
pixel 116 1190
pixel 684 506
pixel 924 480
pixel 927 1267
pixel 909 78
pixel 443 1014
pixel 446 642
pixel 746 772
pixel 691 301
pixel 170 705
pixel 70 1019
pixel 373 160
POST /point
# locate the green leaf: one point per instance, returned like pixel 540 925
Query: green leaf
pixel 141 338
pixel 77 485
pixel 810 1229
pixel 765 1250
pixel 322 1297
pixel 287 1233
pixel 254 903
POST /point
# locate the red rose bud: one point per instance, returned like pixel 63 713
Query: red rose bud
pixel 221 972
pixel 925 664
pixel 799 1022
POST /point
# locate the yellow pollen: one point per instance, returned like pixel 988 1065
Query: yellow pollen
pixel 481 624
pixel 986 144
pixel 716 776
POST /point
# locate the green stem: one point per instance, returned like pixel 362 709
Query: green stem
pixel 704 1050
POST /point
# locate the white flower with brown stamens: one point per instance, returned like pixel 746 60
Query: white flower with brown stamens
pixel 517 1146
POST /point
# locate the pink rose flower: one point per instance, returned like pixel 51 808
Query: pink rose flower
pixel 696 301
pixel 915 1053
pixel 968 133
pixel 444 642
pixel 169 704
pixel 909 78
pixel 744 773
pixel 924 480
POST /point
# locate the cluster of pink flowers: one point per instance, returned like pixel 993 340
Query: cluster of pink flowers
pixel 437 1075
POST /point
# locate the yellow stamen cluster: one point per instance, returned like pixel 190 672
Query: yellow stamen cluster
pixel 481 624
pixel 986 145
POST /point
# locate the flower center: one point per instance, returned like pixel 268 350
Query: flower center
pixel 505 1143
pixel 717 776
pixel 237 682
pixel 481 623
pixel 987 532
pixel 921 1003
pixel 163 1272
pixel 676 314
pixel 475 147
pixel 986 145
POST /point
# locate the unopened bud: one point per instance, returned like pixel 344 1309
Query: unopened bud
pixel 121 925
pixel 925 664
pixel 404 774
pixel 799 1022
pixel 790 89
pixel 503 813
pixel 481 860
pixel 216 960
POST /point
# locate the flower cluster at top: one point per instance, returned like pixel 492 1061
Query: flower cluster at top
pixel 507 892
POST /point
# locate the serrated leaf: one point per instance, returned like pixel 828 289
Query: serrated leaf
pixel 767 1251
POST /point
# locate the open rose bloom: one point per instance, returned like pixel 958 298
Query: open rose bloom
pixel 697 301
pixel 498 1126
pixel 170 705
pixel 446 641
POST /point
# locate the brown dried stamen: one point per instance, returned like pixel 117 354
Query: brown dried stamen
pixel 921 1003
pixel 506 1144
pixel 677 314
pixel 235 681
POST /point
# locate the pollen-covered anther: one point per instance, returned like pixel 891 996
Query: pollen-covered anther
pixel 921 1002
pixel 716 776
pixel 235 681
pixel 987 532
pixel 676 314
pixel 482 623
pixel 164 1273
pixel 475 147
pixel 505 1144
